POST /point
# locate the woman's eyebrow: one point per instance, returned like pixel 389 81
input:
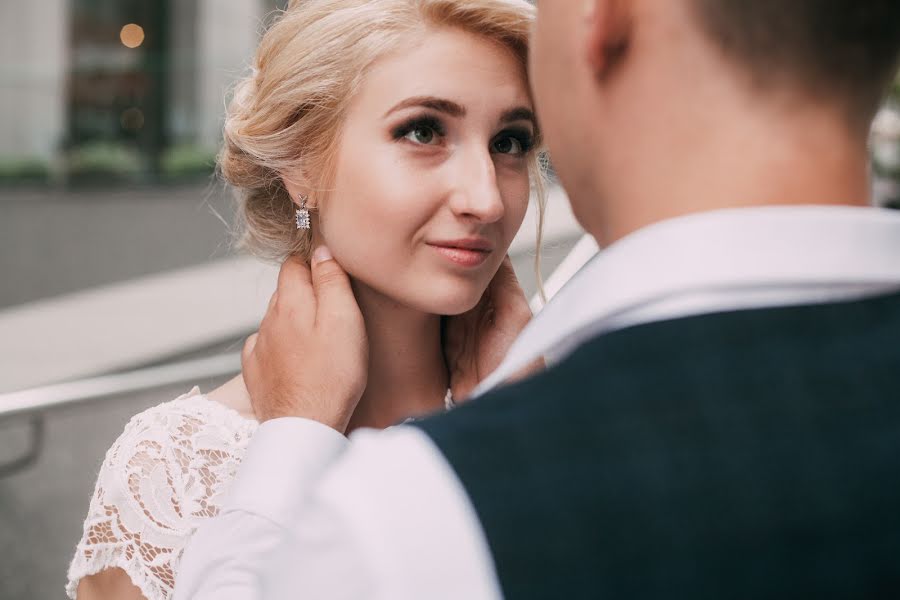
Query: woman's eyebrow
pixel 439 104
pixel 520 113
pixel 453 109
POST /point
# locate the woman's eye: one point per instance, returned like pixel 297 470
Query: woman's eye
pixel 509 145
pixel 423 134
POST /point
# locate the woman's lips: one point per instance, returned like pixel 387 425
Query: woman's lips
pixel 466 257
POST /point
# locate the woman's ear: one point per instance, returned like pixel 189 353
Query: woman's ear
pixel 608 28
pixel 298 189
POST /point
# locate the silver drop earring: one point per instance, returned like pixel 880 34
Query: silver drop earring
pixel 303 214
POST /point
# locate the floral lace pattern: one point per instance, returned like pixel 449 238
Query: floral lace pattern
pixel 165 474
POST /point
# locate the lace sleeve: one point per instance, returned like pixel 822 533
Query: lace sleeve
pixel 164 475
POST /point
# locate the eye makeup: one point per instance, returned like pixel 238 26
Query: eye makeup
pixel 428 122
pixel 424 121
pixel 520 134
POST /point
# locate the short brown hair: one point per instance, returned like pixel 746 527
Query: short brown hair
pixel 840 50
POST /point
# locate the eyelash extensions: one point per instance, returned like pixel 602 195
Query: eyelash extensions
pixel 523 136
pixel 421 121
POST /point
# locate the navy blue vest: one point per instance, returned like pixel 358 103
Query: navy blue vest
pixel 751 454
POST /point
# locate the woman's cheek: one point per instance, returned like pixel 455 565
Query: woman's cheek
pixel 366 235
pixel 516 209
pixel 342 229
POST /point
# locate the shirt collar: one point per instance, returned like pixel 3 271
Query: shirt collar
pixel 734 249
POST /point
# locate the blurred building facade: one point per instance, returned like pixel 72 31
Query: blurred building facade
pixel 130 89
pixel 133 91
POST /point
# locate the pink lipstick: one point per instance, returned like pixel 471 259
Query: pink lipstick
pixel 468 252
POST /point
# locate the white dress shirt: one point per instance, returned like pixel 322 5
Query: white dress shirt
pixel 383 516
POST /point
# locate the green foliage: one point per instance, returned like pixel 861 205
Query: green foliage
pixel 23 170
pixel 98 160
pixel 108 162
pixel 187 160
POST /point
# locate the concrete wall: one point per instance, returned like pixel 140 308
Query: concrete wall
pixel 227 41
pixel 34 47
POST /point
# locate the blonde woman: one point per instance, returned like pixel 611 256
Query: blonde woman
pixel 401 134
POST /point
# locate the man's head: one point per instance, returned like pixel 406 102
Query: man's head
pixel 843 51
pixel 685 87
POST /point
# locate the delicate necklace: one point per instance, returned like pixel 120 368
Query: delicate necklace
pixel 448 400
pixel 448 405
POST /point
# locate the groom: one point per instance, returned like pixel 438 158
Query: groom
pixel 720 413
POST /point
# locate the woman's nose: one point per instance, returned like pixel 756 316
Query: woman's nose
pixel 477 191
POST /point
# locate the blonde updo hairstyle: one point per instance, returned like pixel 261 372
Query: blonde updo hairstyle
pixel 286 116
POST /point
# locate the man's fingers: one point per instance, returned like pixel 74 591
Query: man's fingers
pixel 334 296
pixel 294 285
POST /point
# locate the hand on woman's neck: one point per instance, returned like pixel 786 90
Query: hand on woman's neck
pixel 407 372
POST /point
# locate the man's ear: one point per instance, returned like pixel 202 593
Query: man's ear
pixel 608 27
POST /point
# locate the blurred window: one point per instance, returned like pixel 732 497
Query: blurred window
pixel 118 89
pixel 98 98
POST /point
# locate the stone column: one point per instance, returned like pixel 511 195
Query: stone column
pixel 228 34
pixel 184 114
pixel 34 50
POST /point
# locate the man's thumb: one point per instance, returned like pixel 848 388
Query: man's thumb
pixel 330 282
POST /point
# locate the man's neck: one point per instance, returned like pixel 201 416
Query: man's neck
pixel 728 157
pixel 407 373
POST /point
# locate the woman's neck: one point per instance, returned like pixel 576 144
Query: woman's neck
pixel 407 373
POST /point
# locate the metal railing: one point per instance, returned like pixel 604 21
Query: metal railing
pixel 61 395
pixel 33 404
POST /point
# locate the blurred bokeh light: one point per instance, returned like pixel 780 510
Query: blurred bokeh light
pixel 132 35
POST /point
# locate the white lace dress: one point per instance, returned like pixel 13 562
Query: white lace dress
pixel 165 474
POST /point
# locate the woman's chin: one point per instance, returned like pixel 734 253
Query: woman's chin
pixel 456 297
pixel 458 308
pixel 452 302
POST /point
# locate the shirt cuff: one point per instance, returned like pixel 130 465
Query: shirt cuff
pixel 284 458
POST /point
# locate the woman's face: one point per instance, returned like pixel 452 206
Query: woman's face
pixel 431 181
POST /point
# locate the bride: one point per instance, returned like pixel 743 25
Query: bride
pixel 401 134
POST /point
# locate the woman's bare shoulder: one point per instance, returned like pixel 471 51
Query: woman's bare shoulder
pixel 233 394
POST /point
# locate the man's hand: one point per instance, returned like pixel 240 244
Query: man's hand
pixel 476 342
pixel 310 357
